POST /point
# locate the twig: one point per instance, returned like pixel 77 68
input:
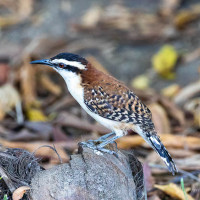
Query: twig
pixel 65 102
pixel 7 180
pixel 20 117
pixel 70 120
pixel 177 179
pixel 179 170
pixel 53 148
pixel 5 155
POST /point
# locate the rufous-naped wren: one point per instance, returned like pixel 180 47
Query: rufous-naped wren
pixel 109 102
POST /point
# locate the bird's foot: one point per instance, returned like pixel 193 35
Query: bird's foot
pixel 100 143
pixel 104 150
pixel 89 144
pixel 94 144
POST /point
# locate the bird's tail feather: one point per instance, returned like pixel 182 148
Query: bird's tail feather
pixel 162 151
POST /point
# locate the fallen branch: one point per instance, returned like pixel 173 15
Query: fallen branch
pixel 91 176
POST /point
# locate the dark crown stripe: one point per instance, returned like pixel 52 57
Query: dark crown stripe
pixel 70 57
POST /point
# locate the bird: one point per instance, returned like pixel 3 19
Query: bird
pixel 109 101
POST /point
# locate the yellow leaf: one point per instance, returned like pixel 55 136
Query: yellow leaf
pixel 164 61
pixel 36 115
pixel 140 82
pixel 174 191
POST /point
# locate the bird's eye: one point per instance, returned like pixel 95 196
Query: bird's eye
pixel 61 65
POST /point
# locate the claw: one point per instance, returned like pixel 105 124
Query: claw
pixel 91 145
pixel 108 151
pixel 115 144
pixel 101 142
pixel 91 141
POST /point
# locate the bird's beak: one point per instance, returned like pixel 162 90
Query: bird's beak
pixel 42 62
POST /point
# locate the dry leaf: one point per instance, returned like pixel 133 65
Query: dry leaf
pixel 178 141
pixel 20 11
pixel 49 85
pixel 160 118
pixel 192 55
pixel 31 131
pixel 92 16
pixel 171 90
pixel 19 192
pixel 154 197
pixel 27 79
pixel 8 21
pixel 149 179
pixel 174 191
pixel 130 141
pixel 169 6
pixel 9 98
pixel 116 16
pixel 25 8
pixel 194 107
pixel 181 153
pixel 4 71
pixel 169 140
pixel 164 61
pixel 133 25
pixel 186 16
pixel 172 110
pixel 187 92
pixel 70 120
pixel 183 18
pixel 43 152
pixel 65 102
pixel 140 82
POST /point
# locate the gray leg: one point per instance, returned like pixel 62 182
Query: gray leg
pixel 91 143
pixel 101 146
pixel 106 142
pixel 102 138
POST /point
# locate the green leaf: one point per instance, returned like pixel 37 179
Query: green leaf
pixel 5 197
pixel 183 188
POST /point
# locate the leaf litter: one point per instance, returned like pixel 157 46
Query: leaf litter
pixel 50 116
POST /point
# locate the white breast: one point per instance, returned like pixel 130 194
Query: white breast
pixel 73 82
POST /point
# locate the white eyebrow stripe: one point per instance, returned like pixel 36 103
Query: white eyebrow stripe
pixel 71 63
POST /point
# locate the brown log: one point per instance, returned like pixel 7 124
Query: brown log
pixel 91 176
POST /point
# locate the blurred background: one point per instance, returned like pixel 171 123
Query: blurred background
pixel 151 45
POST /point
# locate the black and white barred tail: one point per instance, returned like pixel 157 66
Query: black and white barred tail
pixel 162 151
